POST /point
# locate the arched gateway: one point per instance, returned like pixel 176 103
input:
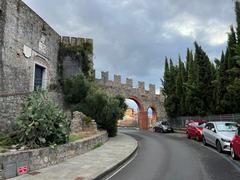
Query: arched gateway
pixel 143 98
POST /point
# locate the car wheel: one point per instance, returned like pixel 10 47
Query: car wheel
pixel 197 138
pixel 233 154
pixel 218 146
pixel 204 141
pixel 188 136
pixel 161 131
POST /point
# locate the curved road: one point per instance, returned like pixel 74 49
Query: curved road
pixel 174 157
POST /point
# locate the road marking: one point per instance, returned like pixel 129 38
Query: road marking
pixel 123 166
pixel 234 163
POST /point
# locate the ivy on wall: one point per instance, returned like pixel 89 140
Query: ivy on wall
pixel 81 53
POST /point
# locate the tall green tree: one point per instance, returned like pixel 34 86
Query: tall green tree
pixel 202 87
pixel 237 12
pixel 180 93
pixel 230 101
pixel 169 88
pixel 204 79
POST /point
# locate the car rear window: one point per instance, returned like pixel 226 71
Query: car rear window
pixel 201 124
pixel 165 123
pixel 226 127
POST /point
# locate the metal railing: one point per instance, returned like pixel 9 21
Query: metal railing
pixel 180 122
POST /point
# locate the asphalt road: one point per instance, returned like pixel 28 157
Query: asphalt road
pixel 174 157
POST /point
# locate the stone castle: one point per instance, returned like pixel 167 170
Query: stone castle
pixel 29 59
pixel 29 50
pixel 144 98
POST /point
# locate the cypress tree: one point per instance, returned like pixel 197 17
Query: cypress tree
pixel 237 12
pixel 165 80
pixel 204 79
pixel 232 44
pixel 191 100
pixel 169 88
pixel 180 88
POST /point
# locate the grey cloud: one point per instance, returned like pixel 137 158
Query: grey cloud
pixel 129 35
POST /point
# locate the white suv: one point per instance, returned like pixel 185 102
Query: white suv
pixel 219 134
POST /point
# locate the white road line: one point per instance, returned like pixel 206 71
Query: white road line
pixel 235 164
pixel 123 166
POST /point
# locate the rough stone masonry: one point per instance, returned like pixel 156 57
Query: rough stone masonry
pixel 29 50
pixel 29 45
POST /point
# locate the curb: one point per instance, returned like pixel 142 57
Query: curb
pixel 118 165
pixel 179 131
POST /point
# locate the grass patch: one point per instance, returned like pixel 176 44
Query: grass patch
pixel 75 137
pixel 5 143
pixel 3 149
pixel 97 145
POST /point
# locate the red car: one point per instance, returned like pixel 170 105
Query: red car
pixel 196 120
pixel 194 129
pixel 235 145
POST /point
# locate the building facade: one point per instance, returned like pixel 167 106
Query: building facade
pixel 29 50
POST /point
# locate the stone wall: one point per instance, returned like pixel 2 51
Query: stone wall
pixel 2 25
pixel 72 62
pixel 116 84
pixel 31 160
pixel 25 40
pixel 9 103
pixel 145 98
pixel 80 122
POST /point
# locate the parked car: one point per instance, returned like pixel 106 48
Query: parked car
pixel 194 129
pixel 191 121
pixel 235 145
pixel 219 134
pixel 163 126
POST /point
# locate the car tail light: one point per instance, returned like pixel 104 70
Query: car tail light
pixel 200 131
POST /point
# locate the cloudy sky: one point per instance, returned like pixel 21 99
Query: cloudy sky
pixel 132 37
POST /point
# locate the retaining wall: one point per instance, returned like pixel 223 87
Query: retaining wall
pixel 16 163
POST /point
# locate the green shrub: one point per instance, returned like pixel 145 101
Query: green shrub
pixel 98 145
pixel 6 140
pixel 76 88
pixel 74 137
pixel 87 120
pixel 41 123
pixel 105 109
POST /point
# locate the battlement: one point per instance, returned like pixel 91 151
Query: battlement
pixel 75 41
pixel 116 82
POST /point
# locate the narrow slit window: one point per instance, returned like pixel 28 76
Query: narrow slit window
pixel 38 78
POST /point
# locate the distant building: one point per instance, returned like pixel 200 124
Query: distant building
pixel 130 118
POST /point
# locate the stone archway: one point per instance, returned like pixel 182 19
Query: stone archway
pixel 139 94
pixel 142 114
pixel 154 115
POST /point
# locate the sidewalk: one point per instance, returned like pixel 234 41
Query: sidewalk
pixel 91 165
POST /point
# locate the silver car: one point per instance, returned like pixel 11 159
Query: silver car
pixel 219 134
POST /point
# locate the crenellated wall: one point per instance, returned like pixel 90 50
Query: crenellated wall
pixel 116 82
pixel 72 63
pixel 145 98
pixel 104 80
pixel 27 41
pixel 75 41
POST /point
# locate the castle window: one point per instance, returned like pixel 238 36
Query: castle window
pixel 39 77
